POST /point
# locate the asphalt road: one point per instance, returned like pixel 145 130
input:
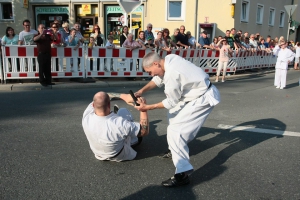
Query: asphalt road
pixel 45 154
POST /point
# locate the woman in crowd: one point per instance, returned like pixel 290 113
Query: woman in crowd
pixel 166 37
pixel 10 38
pixel 159 41
pixel 262 43
pixel 141 39
pixel 124 35
pixel 96 34
pixel 214 44
pixel 225 54
pixel 59 37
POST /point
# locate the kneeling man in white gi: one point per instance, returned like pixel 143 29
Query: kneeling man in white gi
pixel 190 97
pixel 112 136
pixel 285 56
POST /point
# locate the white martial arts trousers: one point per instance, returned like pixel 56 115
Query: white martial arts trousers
pixel 280 77
pixel 222 64
pixel 184 126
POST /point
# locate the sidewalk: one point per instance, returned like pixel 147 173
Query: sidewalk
pixel 24 84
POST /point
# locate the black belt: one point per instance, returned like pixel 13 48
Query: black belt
pixel 118 153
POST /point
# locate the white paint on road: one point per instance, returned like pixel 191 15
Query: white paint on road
pixel 258 130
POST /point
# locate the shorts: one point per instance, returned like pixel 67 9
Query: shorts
pixel 296 59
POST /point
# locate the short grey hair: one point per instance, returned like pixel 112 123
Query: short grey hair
pixel 176 29
pixel 150 58
pixel 149 25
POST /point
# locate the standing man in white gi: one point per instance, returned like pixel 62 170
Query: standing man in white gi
pixel 112 136
pixel 285 56
pixel 190 97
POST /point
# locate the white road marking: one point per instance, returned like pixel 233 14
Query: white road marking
pixel 258 130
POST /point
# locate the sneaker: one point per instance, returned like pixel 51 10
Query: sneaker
pixel 116 108
pixel 216 80
pixel 278 87
pixel 223 81
pixel 177 180
pixel 281 88
pixel 167 154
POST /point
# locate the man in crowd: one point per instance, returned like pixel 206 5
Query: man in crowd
pixel 230 40
pixel 43 41
pixel 204 41
pixel 148 32
pixel 113 135
pixel 182 39
pixel 26 36
pixel 78 33
pixel 187 88
pixel 191 39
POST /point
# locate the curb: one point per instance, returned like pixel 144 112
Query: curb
pixel 104 84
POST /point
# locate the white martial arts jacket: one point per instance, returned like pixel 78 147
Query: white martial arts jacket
pixel 108 135
pixel 284 55
pixel 183 82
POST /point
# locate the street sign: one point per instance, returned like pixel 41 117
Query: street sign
pixel 129 5
pixel 290 9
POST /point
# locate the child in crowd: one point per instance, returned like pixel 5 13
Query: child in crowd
pixel 73 41
pixel 92 42
pixel 110 43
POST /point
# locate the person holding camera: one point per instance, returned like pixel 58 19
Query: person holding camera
pixel 285 56
pixel 43 41
pixel 225 54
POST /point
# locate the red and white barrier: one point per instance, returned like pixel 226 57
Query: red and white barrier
pixel 20 62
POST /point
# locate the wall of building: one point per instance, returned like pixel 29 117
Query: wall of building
pixel 264 28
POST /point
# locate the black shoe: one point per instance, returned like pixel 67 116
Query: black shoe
pixel 51 83
pixel 44 84
pixel 177 180
pixel 116 108
pixel 167 154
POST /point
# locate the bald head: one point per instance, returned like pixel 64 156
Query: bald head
pixel 101 101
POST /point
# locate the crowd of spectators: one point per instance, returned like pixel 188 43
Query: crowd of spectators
pixel 66 36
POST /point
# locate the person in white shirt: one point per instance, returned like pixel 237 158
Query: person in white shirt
pixel 285 56
pixel 190 97
pixel 296 64
pixel 26 36
pixel 112 135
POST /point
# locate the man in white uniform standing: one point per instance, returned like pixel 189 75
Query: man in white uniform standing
pixel 285 56
pixel 112 135
pixel 190 97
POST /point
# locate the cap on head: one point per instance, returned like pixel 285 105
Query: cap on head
pixel 204 32
pixel 188 32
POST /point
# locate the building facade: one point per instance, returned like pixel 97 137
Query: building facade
pixel 267 17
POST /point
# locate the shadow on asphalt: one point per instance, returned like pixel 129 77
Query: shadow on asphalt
pixel 237 141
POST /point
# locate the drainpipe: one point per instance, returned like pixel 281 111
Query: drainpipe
pixel 196 18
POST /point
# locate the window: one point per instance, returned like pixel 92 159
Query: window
pixel 281 19
pixel 259 14
pixel 176 10
pixel 6 11
pixel 245 11
pixel 271 16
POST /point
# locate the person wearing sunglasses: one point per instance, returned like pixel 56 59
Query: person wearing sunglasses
pixel 58 41
pixel 26 36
